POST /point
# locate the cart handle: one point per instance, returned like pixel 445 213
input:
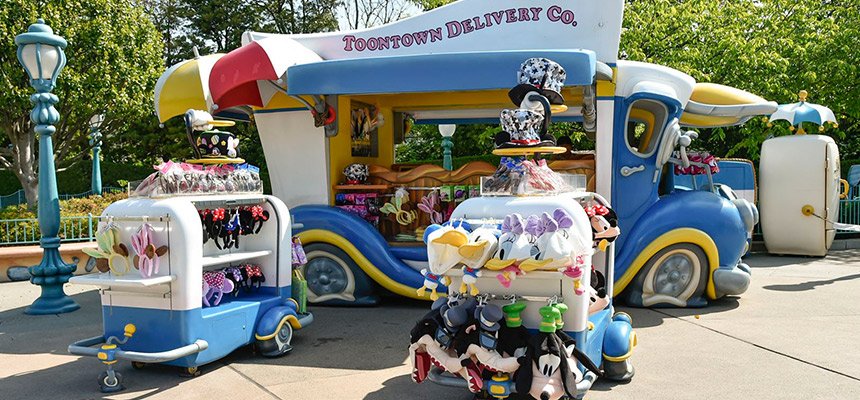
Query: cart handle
pixel 84 348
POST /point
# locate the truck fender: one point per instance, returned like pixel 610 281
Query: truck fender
pixel 272 320
pixel 619 339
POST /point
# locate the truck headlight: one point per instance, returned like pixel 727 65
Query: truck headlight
pixel 748 212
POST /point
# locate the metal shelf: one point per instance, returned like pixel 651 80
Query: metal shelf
pixel 226 258
pixel 131 280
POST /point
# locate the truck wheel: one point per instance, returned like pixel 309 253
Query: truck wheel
pixel 675 276
pixel 333 277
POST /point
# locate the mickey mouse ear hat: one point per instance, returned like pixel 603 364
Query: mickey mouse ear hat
pixel 540 75
pixel 522 128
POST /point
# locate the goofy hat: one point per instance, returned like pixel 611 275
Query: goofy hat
pixel 539 75
pixel 522 128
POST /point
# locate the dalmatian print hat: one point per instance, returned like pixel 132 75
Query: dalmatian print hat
pixel 522 128
pixel 540 75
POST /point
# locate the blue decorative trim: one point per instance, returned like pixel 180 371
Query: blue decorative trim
pixel 431 72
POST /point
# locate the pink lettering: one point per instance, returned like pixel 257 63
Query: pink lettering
pixel 383 43
pixel 360 44
pixel 554 13
pixel 523 14
pixel 372 43
pixel 436 34
pixel 497 15
pixel 454 29
pixel 395 41
pixel 479 24
pixel 407 40
pixel 536 13
pixel 467 26
pixel 512 15
pixel 420 37
pixel 348 40
pixel 567 17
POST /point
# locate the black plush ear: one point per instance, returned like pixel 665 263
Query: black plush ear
pixel 586 362
pixel 568 380
pixel 612 218
pixel 599 281
pixel 523 377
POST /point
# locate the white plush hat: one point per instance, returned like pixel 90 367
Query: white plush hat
pixel 443 244
pixel 483 243
pixel 515 244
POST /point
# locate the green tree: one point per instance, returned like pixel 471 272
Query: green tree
pixel 773 48
pixel 431 4
pixel 114 58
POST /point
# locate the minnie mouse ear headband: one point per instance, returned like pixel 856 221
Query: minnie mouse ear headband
pixel 540 75
pixel 522 128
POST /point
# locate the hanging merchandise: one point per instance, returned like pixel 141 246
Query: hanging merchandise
pixel 300 290
pixel 399 209
pixel 443 244
pixel 146 258
pixel 430 205
pixel 604 225
pixel 178 179
pixel 253 274
pixel 215 283
pixel 298 252
pixel 481 244
pixel 111 254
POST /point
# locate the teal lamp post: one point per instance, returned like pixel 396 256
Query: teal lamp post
pixel 96 143
pixel 41 54
pixel 447 131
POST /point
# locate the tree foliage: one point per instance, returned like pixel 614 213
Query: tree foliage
pixel 773 48
pixel 114 58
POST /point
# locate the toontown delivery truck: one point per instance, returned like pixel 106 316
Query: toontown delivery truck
pixel 322 102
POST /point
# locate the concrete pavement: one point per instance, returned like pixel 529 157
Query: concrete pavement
pixel 792 335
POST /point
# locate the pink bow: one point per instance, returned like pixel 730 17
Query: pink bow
pixel 253 270
pixel 595 210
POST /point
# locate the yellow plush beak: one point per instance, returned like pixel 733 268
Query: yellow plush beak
pixel 453 238
pixel 532 264
pixel 603 244
pixel 496 264
pixel 470 250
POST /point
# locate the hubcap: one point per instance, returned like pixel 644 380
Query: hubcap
pixel 325 276
pixel 673 275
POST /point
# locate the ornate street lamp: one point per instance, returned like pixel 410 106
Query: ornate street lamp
pixel 41 54
pixel 96 143
pixel 447 131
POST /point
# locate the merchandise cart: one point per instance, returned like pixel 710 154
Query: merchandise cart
pixel 163 317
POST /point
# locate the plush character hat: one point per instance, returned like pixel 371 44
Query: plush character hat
pixel 522 128
pixel 489 315
pixel 539 75
pixel 515 244
pixel 482 244
pixel 443 244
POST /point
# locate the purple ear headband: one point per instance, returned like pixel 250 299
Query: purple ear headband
pixel 548 223
pixel 533 225
pixel 506 224
pixel 517 224
pixel 563 218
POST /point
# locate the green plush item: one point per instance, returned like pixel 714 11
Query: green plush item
pixel 512 314
pixel 549 316
pixel 562 308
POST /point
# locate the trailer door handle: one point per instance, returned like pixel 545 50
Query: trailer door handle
pixel 627 171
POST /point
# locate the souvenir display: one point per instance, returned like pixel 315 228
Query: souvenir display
pixel 172 179
pixel 695 168
pixel 111 254
pixel 146 258
pixel 522 176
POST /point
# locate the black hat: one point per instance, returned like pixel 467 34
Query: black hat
pixel 522 128
pixel 540 75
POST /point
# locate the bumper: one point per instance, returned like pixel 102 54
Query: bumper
pixel 731 280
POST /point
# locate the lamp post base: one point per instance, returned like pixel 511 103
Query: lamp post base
pixel 52 301
pixel 51 274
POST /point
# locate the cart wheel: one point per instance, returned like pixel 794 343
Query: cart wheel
pixel 278 345
pixel 675 276
pixel 191 371
pixel 108 384
pixel 138 364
